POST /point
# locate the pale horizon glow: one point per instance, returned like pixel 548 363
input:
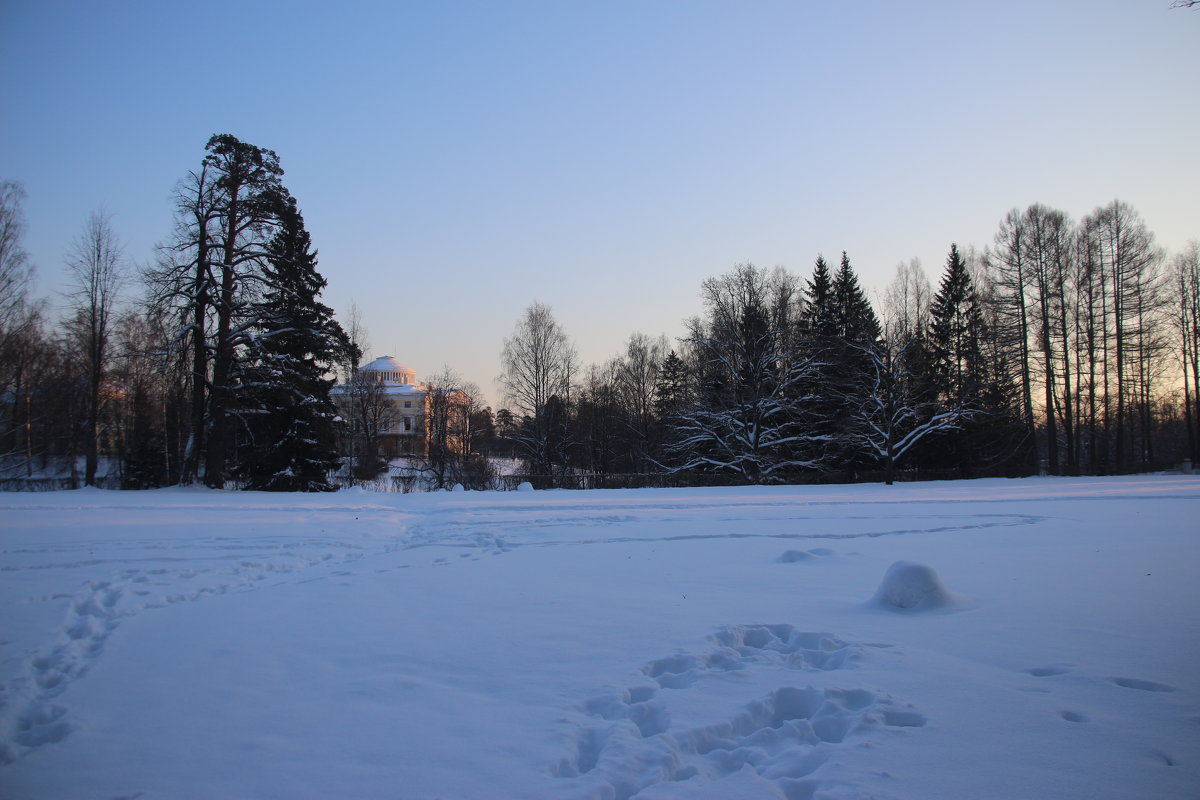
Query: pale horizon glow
pixel 457 161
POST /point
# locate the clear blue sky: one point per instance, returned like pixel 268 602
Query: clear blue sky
pixel 456 161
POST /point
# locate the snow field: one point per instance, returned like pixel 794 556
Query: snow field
pixel 651 643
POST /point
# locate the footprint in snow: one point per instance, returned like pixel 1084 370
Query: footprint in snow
pixel 740 646
pixel 630 743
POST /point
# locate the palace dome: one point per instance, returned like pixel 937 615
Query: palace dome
pixel 389 370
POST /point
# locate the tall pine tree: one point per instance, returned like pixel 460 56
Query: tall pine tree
pixel 289 417
pixel 954 335
pixel 968 375
pixel 670 387
pixel 819 312
pixel 240 204
pixel 818 341
pixel 854 319
pixel 956 363
pixel 852 358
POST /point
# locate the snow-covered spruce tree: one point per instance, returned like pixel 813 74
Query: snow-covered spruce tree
pixel 752 415
pixel 289 420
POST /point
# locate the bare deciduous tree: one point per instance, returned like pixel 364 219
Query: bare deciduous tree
pixel 1185 279
pixel 359 343
pixel 1129 263
pixel 16 273
pixel 451 404
pixel 20 331
pixel 1008 282
pixel 906 302
pixel 636 378
pixel 539 363
pixel 368 413
pixel 96 264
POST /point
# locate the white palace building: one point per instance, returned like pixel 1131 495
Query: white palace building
pixel 397 406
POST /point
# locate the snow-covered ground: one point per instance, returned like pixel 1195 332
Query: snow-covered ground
pixel 1042 641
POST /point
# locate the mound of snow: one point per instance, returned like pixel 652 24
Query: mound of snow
pixel 912 587
pixel 458 487
pixel 525 486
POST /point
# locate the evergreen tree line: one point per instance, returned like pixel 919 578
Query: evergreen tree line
pixel 1065 347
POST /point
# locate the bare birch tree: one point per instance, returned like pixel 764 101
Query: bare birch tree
pixel 20 326
pixel 97 267
pixel 539 363
pixel 906 302
pixel 636 377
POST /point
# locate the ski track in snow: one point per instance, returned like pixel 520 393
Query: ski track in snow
pixel 499 534
pixel 628 744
